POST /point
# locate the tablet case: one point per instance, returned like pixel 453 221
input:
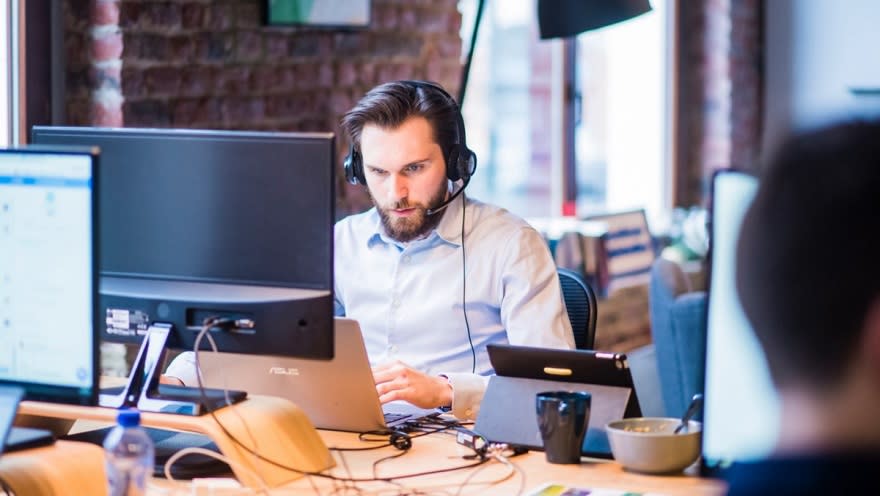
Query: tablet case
pixel 507 413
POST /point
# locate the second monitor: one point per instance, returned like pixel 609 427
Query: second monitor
pixel 215 224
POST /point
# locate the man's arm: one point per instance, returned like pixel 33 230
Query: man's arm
pixel 532 311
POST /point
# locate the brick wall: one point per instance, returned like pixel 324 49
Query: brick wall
pixel 720 87
pixel 212 64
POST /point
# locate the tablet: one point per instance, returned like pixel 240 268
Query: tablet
pixel 507 413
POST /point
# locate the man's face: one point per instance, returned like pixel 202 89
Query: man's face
pixel 406 175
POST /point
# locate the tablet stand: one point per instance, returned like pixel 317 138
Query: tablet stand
pixel 144 392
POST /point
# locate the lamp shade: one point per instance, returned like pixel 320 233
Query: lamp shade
pixel 564 18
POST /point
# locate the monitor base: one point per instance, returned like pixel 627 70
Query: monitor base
pixel 143 391
pixel 167 398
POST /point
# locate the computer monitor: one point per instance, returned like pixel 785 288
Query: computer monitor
pixel 48 269
pixel 741 408
pixel 203 224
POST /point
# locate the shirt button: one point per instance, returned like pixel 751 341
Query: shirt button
pixel 395 303
pixel 406 259
pixel 392 349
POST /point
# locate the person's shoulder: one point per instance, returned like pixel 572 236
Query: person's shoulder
pixel 492 218
pixel 362 223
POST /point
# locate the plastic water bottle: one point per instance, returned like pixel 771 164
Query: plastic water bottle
pixel 128 454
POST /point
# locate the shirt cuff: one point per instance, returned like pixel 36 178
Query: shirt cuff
pixel 467 393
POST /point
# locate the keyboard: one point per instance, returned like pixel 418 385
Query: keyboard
pixel 393 418
pixel 167 443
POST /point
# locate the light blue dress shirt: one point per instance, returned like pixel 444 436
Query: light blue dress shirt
pixel 408 297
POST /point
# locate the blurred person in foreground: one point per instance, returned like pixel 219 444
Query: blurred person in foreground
pixel 808 277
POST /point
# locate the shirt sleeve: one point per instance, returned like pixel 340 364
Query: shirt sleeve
pixel 533 310
pixel 183 367
pixel 467 393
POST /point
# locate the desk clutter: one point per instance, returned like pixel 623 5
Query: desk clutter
pixel 506 430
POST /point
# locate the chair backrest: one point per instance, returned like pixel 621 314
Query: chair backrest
pixel 580 304
pixel 678 328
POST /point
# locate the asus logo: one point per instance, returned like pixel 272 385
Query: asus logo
pixel 283 371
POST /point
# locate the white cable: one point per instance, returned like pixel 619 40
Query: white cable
pixel 255 447
pixel 263 489
pixel 496 452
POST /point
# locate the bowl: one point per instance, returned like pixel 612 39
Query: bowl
pixel 648 444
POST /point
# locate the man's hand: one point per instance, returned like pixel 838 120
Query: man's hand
pixel 168 379
pixel 398 381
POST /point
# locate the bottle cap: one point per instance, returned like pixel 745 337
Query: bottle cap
pixel 128 417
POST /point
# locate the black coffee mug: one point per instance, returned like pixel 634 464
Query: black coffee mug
pixel 563 417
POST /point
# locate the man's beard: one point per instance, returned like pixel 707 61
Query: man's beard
pixel 417 224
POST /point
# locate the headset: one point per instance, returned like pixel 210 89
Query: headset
pixel 461 161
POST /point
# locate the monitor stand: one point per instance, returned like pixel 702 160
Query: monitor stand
pixel 144 392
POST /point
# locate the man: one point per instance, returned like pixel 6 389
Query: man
pixel 809 280
pixel 432 276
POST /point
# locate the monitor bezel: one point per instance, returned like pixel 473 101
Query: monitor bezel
pixel 713 468
pixel 259 340
pixel 68 394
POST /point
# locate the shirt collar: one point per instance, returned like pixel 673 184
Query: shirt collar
pixel 449 228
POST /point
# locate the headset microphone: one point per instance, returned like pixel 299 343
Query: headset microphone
pixel 442 206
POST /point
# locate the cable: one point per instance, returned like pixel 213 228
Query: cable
pixel 496 452
pixel 386 458
pixel 217 322
pixel 464 290
pixel 7 490
pixel 466 69
pixel 264 489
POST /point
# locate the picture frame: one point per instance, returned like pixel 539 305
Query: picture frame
pixel 317 13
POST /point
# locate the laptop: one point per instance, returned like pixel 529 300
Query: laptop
pixel 18 438
pixel 337 394
pixel 507 413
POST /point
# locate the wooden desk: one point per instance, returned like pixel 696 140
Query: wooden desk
pixel 65 467
pixel 439 451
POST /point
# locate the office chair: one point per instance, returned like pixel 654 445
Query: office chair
pixel 580 304
pixel 678 328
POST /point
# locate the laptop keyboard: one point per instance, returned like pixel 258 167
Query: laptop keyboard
pixel 391 417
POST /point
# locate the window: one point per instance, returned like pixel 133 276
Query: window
pixel 6 74
pixel 514 111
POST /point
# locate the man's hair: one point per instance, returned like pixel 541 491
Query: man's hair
pixel 389 104
pixel 808 259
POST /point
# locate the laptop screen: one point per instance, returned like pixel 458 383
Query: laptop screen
pixel 47 268
pixel 741 412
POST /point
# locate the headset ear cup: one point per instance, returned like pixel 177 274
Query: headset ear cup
pixel 347 168
pixel 452 164
pixel 467 163
pixel 357 167
pixel 353 168
pixel 460 163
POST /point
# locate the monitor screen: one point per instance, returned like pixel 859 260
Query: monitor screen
pixel 741 411
pixel 200 224
pixel 48 311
